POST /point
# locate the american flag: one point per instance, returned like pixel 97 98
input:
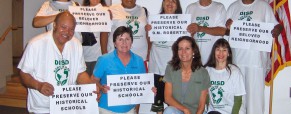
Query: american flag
pixel 282 56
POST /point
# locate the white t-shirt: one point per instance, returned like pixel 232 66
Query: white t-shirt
pixel 212 15
pixel 224 87
pixel 160 55
pixel 135 18
pixel 45 63
pixel 49 8
pixel 259 11
pixel 91 53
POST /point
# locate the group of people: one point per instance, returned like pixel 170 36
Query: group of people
pixel 193 75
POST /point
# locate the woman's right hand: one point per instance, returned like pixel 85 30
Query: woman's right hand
pixel 105 88
pixel 186 111
pixel 148 27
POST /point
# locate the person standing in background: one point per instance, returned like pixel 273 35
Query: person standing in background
pixel 208 24
pixel 253 64
pixel 133 16
pixel 91 41
pixel 160 55
pixel 227 85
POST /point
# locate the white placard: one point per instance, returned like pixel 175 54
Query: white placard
pixel 91 19
pixel 74 99
pixel 168 27
pixel 130 89
pixel 251 35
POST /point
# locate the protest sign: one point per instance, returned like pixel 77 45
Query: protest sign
pixel 168 27
pixel 130 89
pixel 251 35
pixel 74 99
pixel 91 19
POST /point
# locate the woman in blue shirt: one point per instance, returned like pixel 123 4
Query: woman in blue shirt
pixel 120 61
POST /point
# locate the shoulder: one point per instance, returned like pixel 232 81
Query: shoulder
pixel 234 4
pixel 262 2
pixel 208 68
pixel 202 70
pixel 40 39
pixel 234 69
pixel 218 4
pixel 192 5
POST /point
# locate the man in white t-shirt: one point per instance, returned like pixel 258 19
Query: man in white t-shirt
pixel 208 24
pixel 51 59
pixel 253 64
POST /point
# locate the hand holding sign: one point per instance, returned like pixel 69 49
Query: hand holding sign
pixel 105 88
pixel 45 88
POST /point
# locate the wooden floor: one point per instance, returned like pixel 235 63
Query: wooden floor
pixel 15 94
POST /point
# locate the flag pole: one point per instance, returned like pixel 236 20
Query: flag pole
pixel 272 81
pixel 272 69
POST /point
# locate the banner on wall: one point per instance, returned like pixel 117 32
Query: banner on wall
pixel 91 19
pixel 251 35
pixel 168 27
pixel 74 99
pixel 130 89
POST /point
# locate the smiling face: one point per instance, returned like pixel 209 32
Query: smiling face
pixel 64 28
pixel 123 43
pixel 128 3
pixel 170 6
pixel 221 54
pixel 185 51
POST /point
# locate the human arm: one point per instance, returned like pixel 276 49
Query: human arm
pixel 104 41
pixel 236 105
pixel 215 31
pixel 148 27
pixel 43 87
pixel 42 21
pixel 84 78
pixel 171 101
pixel 202 101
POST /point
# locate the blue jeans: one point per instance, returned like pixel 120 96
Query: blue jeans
pixel 172 110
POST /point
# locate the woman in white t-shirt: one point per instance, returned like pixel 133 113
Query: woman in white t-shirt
pixel 227 86
pixel 91 40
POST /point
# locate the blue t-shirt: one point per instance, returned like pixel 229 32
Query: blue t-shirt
pixel 110 64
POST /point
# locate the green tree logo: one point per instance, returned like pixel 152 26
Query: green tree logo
pixel 204 24
pixel 133 25
pixel 61 75
pixel 217 94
